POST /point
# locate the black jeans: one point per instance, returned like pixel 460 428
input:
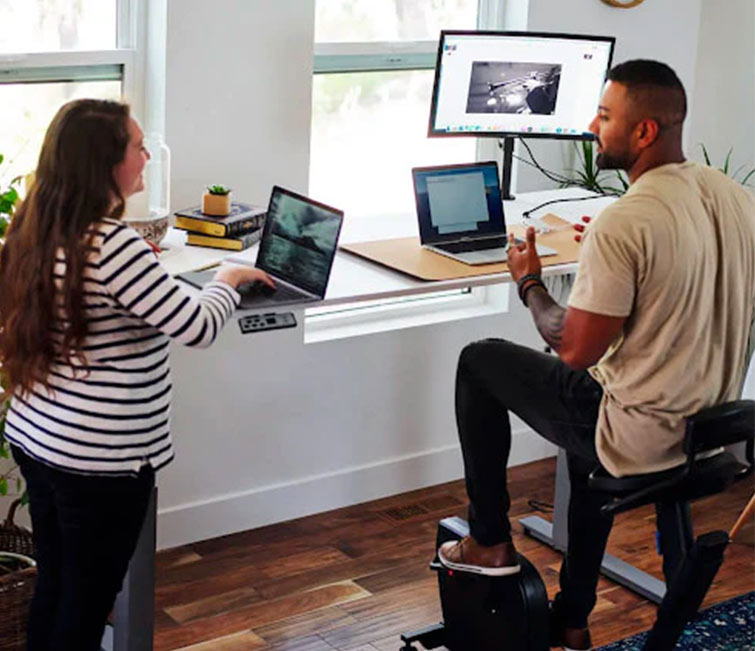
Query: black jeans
pixel 495 377
pixel 85 531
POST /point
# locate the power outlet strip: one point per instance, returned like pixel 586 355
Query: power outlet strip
pixel 269 321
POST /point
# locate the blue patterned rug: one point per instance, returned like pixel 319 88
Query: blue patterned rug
pixel 728 626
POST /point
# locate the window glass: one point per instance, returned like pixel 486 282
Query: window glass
pixel 390 20
pixel 368 131
pixel 27 109
pixel 54 25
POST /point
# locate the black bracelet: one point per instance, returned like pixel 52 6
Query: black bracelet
pixel 523 295
pixel 525 279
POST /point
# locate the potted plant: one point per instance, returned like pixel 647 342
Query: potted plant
pixel 17 568
pixel 8 200
pixel 741 174
pixel 217 200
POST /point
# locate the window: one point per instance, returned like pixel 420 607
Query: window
pixel 374 64
pixel 374 67
pixel 53 51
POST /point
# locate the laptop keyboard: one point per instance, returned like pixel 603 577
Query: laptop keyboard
pixel 474 245
pixel 280 293
pixel 285 293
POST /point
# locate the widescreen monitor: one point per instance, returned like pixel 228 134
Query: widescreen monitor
pixel 518 84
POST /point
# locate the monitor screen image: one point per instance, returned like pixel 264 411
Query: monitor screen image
pixel 300 240
pixel 518 84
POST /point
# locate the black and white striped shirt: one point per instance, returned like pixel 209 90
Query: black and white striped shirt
pixel 111 413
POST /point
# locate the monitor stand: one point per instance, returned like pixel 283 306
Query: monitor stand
pixel 507 145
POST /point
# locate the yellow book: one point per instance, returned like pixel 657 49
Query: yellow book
pixel 235 243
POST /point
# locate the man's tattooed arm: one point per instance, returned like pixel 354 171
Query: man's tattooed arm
pixel 549 316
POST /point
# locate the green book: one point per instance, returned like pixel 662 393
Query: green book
pixel 243 218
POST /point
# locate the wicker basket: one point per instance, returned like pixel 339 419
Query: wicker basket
pixel 16 588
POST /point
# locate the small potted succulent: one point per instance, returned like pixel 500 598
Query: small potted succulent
pixel 217 200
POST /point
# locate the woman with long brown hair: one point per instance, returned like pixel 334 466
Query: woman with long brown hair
pixel 86 314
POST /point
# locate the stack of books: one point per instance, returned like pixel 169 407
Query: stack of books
pixel 236 231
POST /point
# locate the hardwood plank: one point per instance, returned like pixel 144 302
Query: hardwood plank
pixel 302 562
pixel 214 605
pixel 175 557
pixel 264 612
pixel 304 625
pixel 243 641
pixel 348 570
pixel 311 643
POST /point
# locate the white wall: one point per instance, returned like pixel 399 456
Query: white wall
pixel 238 95
pixel 724 96
pixel 666 30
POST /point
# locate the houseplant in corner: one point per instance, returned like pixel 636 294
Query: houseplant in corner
pixel 17 568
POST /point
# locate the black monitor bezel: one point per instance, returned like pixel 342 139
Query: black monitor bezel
pixel 266 238
pixel 432 133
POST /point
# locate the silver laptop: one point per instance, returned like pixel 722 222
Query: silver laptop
pixel 460 212
pixel 297 249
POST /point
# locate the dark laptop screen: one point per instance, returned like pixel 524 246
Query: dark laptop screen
pixel 455 201
pixel 299 241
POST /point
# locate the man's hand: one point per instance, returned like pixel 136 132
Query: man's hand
pixel 581 228
pixel 236 275
pixel 522 258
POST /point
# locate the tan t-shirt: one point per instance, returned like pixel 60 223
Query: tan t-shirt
pixel 676 256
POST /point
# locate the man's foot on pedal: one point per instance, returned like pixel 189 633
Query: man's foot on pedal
pixel 576 639
pixel 568 639
pixel 467 555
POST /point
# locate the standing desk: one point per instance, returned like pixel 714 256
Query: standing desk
pixel 354 279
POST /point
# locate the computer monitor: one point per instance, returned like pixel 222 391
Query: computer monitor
pixel 518 84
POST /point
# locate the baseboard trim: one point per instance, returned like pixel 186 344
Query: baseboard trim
pixel 191 522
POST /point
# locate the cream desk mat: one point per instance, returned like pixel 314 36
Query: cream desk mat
pixel 405 254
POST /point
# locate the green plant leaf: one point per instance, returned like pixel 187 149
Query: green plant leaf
pixel 725 168
pixel 747 176
pixel 3 486
pixel 705 154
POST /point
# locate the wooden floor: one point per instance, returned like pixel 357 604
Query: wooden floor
pixel 355 578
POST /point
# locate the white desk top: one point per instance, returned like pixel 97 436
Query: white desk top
pixel 355 279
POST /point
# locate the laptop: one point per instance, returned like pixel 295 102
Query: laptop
pixel 297 249
pixel 460 212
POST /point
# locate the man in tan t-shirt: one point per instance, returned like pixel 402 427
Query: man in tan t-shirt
pixel 657 328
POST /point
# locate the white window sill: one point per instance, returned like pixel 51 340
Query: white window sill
pixel 327 324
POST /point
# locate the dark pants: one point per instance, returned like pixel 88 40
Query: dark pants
pixel 85 532
pixel 495 377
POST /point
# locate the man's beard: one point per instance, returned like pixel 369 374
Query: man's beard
pixel 604 161
pixel 613 160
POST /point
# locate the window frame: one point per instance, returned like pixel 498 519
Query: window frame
pixel 322 324
pixel 118 64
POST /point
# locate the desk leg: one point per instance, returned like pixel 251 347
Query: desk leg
pixel 556 535
pixel 133 615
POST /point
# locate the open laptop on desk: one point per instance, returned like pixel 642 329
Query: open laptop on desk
pixel 460 212
pixel 297 248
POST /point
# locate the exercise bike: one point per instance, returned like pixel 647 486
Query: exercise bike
pixel 510 613
pixel 485 613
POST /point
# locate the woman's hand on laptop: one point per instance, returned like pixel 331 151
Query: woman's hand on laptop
pixel 522 257
pixel 236 275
